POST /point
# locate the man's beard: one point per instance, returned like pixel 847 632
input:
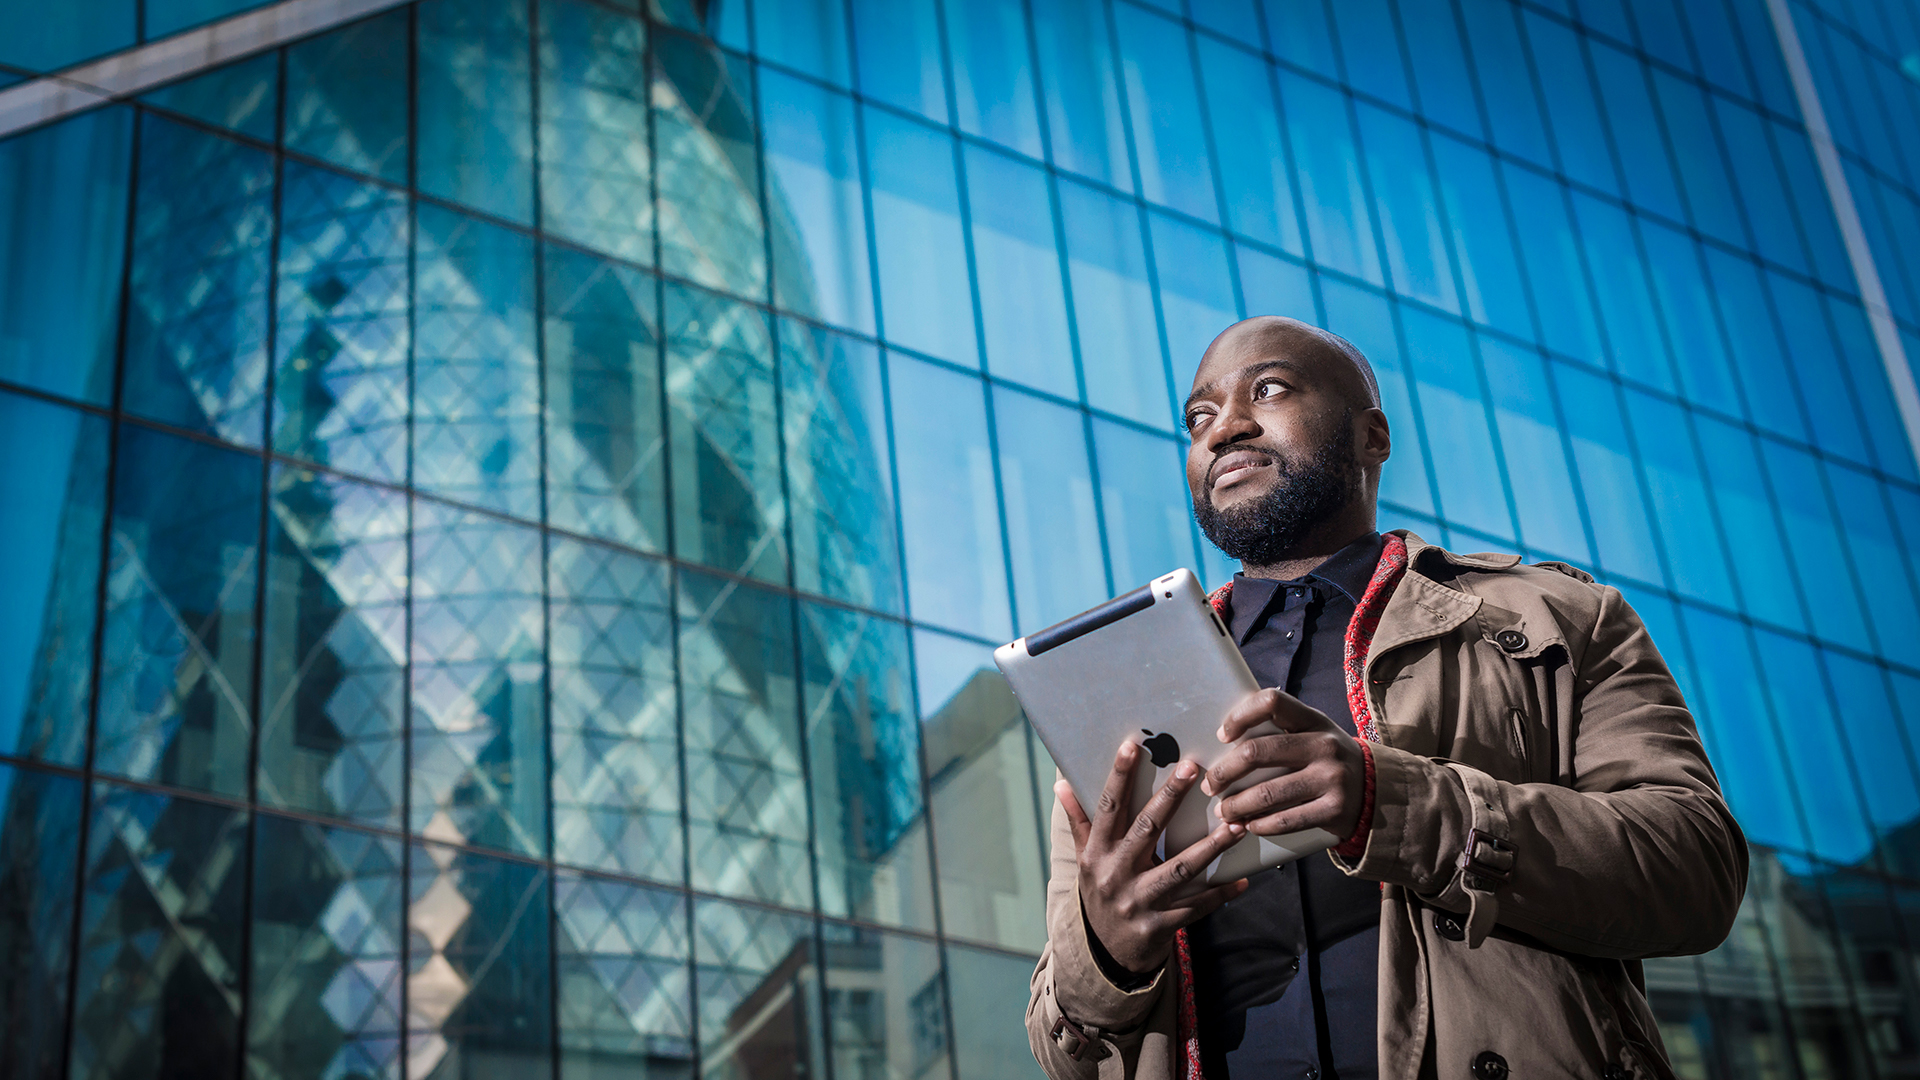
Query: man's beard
pixel 1266 529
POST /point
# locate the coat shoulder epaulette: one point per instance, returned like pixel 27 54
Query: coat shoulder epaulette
pixel 1573 572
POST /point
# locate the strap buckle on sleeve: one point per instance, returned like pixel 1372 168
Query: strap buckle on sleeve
pixel 1082 1042
pixel 1487 861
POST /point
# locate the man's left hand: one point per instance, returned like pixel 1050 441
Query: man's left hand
pixel 1325 782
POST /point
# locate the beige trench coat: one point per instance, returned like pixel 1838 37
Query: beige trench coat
pixel 1528 704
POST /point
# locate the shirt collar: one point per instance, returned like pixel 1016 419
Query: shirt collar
pixel 1349 570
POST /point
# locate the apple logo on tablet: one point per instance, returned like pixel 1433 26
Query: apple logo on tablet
pixel 1163 748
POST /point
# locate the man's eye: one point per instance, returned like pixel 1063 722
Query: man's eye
pixel 1267 388
pixel 1195 419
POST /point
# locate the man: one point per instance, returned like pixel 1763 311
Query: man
pixel 1528 808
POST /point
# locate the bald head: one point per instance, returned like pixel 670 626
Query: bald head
pixel 1331 356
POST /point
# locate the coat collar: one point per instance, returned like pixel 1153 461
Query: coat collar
pixel 1421 607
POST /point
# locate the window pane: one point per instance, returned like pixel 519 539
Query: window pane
pixel 1275 286
pixel 1196 292
pixel 886 1005
pixel 806 35
pixel 1415 236
pixel 1801 500
pixel 1627 312
pixel 1078 78
pixel 706 169
pixel 347 96
pixel 1303 35
pixel 196 341
pixel 1568 93
pixel 1821 230
pixel 1686 299
pixel 1051 524
pixel 479 723
pixel 1247 137
pixel 898 45
pixel 1703 170
pixel 176 679
pixel 870 832
pixel 623 980
pixel 926 301
pixel 949 509
pixel 1877 548
pixel 1339 224
pixel 839 468
pixel 616 752
pixel 480 955
pixel 1143 497
pixel 1543 487
pixel 1489 270
pixel 1237 19
pixel 987 1029
pixel 1604 455
pixel 1771 398
pixel 1022 306
pixel 1455 414
pixel 993 73
pixel 242 97
pixel 1371 50
pixel 45 39
pixel 820 258
pixel 1113 306
pixel 476 426
pixel 1762 189
pixel 1860 356
pixel 60 252
pixel 1505 82
pixel 1749 762
pixel 1165 106
pixel 1825 780
pixel 340 373
pixel 605 472
pixel 54 486
pixel 1440 66
pixel 746 795
pixel 333 675
pixel 1636 132
pixel 1760 557
pixel 1819 371
pixel 38 852
pixel 1366 319
pixel 325 989
pixel 594 165
pixel 1683 510
pixel 1877 746
pixel 1554 266
pixel 757 974
pixel 474 103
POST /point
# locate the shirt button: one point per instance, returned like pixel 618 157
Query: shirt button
pixel 1289 635
pixel 1511 640
pixel 1616 1072
pixel 1313 1073
pixel 1294 965
pixel 1490 1066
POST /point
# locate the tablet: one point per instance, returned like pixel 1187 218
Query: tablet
pixel 1156 666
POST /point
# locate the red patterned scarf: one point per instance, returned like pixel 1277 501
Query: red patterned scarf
pixel 1366 619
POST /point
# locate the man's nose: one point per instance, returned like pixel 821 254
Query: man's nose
pixel 1234 424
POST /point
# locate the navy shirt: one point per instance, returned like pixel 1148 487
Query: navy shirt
pixel 1286 975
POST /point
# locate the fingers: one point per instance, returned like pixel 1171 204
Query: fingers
pixel 1206 903
pixel 1260 752
pixel 1317 813
pixel 1153 817
pixel 1076 816
pixel 1272 796
pixel 1283 710
pixel 1109 816
pixel 1165 882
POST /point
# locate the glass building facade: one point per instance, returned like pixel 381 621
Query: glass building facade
pixel 506 504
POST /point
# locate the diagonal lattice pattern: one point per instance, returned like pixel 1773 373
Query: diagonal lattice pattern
pixel 625 982
pixel 595 168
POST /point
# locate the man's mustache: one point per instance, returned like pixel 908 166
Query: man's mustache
pixel 1214 466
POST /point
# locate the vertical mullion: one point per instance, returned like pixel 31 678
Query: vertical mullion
pixel 406 701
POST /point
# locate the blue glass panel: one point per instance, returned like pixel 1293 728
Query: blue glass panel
pixel 623 980
pixel 1078 80
pixel 473 98
pixel 886 1004
pixel 242 97
pixel 1238 20
pixel 1762 190
pixel 61 251
pixel 869 824
pixel 839 467
pixel 705 167
pixel 1339 223
pixel 1275 286
pixel 1749 762
pixel 1682 508
pixel 1454 413
pixel 1366 319
pixel 1623 293
pixel 54 485
pixel 1660 32
pixel 325 989
pixel 605 470
pixel 1756 352
pixel 758 993
pixel 1607 16
pixel 746 796
pixel 39 850
pixel 949 510
pixel 1879 750
pixel 1371 49
pixel 1113 306
pixel 1568 94
pixel 1703 170
pixel 1164 102
pixel 164 17
pixel 347 96
pixel 477 689
pixel 1052 526
pixel 1860 354
pixel 806 35
pixel 161 931
pixel 340 369
pixel 480 952
pixel 176 679
pixel 1760 560
pixel 1255 177
pixel 594 165
pixel 1801 499
pixel 723 434
pixel 898 46
pixel 1686 300
pixel 993 83
pixel 980 770
pixel 1303 35
pixel 616 754
pixel 1889 217
pixel 1763 52
pixel 1489 270
pixel 1817 369
pixel 1821 771
pixel 925 303
pixel 1604 455
pixel 333 661
pixel 1636 132
pixel 1554 265
pixel 1512 108
pixel 1544 492
pixel 1877 549
pixel 1414 234
pixel 197 319
pixel 1815 209
pixel 1196 292
pixel 1023 308
pixel 820 256
pixel 1718 45
pixel 1143 500
pixel 986 988
pixel 476 427
pixel 49 38
pixel 1440 72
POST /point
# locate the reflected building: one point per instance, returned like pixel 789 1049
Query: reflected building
pixel 509 503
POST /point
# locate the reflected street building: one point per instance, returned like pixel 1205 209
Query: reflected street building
pixel 508 504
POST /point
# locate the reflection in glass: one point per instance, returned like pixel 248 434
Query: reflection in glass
pixel 1750 765
pixel 1164 100
pixel 1686 300
pixel 1113 306
pixel 473 98
pixel 1410 225
pixel 1053 528
pixel 1079 85
pixel 39 849
pixel 1636 131
pixel 1339 222
pixel 993 73
pixel 1143 497
pixel 176 679
pixel 623 980
pixel 616 753
pixel 897 43
pixel 1455 415
pixel 1873 540
pixel 1017 263
pixel 1622 529
pixel 347 96
pixel 325 987
pixel 1477 219
pixel 1684 518
pixel 1740 491
pixel 1555 269
pixel 1803 506
pixel 1627 314
pixel 1196 293
pixel 1365 318
pixel 988 1032
pixel 1254 170
pixel 886 1005
pixel 759 993
pixel 243 97
pixel 820 259
pixel 707 173
pixel 478 728
pixel 925 301
pixel 594 162
pixel 809 36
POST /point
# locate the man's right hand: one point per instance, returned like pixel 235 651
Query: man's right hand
pixel 1134 904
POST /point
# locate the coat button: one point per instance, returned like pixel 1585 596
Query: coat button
pixel 1449 927
pixel 1490 1066
pixel 1616 1072
pixel 1511 640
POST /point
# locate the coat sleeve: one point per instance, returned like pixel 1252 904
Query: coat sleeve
pixel 1639 857
pixel 1132 1033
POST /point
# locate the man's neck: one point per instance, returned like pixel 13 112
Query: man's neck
pixel 1317 547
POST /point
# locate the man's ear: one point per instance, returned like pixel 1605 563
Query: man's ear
pixel 1373 443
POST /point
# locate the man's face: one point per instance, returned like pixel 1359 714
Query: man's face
pixel 1272 451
